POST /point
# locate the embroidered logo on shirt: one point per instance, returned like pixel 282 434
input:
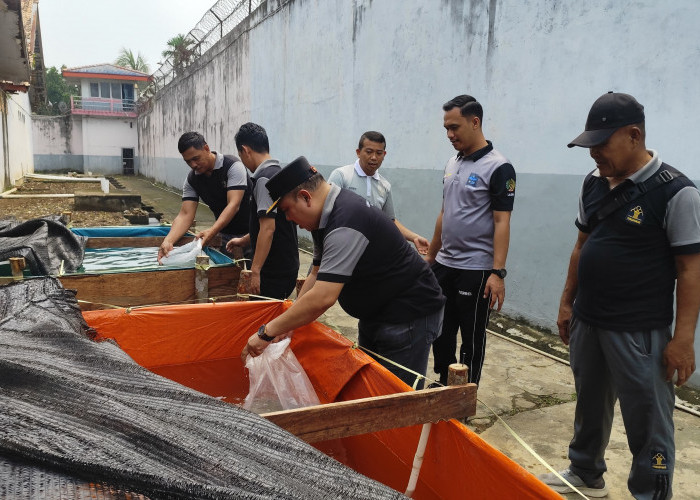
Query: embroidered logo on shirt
pixel 464 292
pixel 635 215
pixel 658 461
pixel 472 180
pixel 510 185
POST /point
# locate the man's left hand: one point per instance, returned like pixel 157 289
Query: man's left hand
pixel 255 282
pixel 679 356
pixel 421 244
pixel 495 287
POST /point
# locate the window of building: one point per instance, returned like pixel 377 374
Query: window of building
pixel 94 90
pixel 104 90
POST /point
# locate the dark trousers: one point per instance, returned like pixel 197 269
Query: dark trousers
pixel 608 365
pixel 466 310
pixel 407 344
pixel 277 287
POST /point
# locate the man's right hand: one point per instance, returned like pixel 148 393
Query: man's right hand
pixel 564 321
pixel 233 243
pixel 165 248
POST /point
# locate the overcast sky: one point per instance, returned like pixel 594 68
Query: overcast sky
pixel 83 32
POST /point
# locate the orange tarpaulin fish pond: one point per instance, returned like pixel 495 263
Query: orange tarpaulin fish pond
pixel 199 346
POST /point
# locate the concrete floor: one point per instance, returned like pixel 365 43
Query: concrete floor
pixel 532 393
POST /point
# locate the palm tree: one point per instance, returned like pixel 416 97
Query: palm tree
pixel 127 59
pixel 180 51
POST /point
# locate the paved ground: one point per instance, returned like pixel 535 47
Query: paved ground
pixel 532 393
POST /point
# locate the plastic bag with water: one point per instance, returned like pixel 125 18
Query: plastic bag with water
pixel 184 255
pixel 278 381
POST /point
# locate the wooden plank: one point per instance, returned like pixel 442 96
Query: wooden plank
pixel 144 288
pixel 363 416
pixel 223 282
pixel 141 241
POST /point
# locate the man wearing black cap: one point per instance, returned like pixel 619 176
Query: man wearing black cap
pixel 362 260
pixel 638 240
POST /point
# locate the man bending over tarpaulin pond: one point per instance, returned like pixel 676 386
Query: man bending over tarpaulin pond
pixel 362 260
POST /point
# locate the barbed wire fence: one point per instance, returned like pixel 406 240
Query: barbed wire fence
pixel 216 23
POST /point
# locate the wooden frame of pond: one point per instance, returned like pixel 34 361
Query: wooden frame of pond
pixel 105 290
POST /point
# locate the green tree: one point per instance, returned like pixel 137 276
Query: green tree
pixel 180 51
pixel 127 59
pixel 57 91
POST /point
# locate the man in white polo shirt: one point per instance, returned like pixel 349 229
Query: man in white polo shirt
pixel 363 179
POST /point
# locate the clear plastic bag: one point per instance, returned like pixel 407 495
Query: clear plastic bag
pixel 277 381
pixel 184 255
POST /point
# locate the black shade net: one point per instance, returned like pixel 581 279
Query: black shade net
pixel 80 418
pixel 45 244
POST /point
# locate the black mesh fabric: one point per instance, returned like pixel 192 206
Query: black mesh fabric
pixel 45 244
pixel 76 414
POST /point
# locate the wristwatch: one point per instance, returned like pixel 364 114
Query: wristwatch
pixel 262 333
pixel 501 273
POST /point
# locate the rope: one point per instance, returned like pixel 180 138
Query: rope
pixel 110 306
pixel 418 376
pixel 529 449
pixel 202 267
pixel 213 300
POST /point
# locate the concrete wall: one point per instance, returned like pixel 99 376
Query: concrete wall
pixel 58 143
pixel 15 138
pixel 317 73
pixel 83 143
pixel 103 140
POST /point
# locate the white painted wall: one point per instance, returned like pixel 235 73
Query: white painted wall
pixel 83 143
pixel 107 136
pixel 103 140
pixel 58 143
pixel 317 73
pixel 17 158
pixel 57 135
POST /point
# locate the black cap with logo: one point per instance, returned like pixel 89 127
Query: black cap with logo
pixel 609 112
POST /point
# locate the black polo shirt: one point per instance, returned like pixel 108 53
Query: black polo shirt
pixel 213 190
pixel 384 278
pixel 283 258
pixel 626 271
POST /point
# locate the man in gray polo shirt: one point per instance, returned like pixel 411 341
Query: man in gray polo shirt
pixel 470 245
pixel 363 178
